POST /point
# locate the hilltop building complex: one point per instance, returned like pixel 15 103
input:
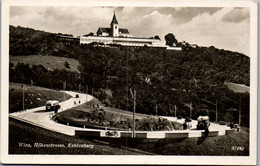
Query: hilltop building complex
pixel 120 36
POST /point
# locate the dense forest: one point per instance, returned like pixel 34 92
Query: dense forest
pixel 189 79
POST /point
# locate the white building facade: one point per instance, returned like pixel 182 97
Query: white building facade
pixel 121 36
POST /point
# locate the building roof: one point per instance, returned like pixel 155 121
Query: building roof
pixel 123 30
pixel 106 30
pixel 237 88
pixel 114 20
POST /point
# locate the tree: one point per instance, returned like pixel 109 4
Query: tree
pixel 11 65
pixel 157 37
pixel 170 39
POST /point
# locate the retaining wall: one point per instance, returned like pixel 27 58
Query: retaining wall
pixel 149 135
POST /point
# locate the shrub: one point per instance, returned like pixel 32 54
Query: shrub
pixel 66 64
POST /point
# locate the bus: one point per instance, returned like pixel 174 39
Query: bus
pixel 52 105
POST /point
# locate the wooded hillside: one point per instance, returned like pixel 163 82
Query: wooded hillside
pixel 161 78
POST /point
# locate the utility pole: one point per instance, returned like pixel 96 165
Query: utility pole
pixel 134 98
pixel 190 110
pixel 216 110
pixel 216 105
pixel 134 113
pixel 239 115
pixel 86 93
pixel 64 87
pixel 156 109
pixel 79 87
pixel 23 96
pixel 175 110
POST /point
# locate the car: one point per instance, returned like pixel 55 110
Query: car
pixel 203 123
pixel 179 117
pixel 187 119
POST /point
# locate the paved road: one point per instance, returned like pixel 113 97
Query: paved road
pixel 213 126
pixel 39 117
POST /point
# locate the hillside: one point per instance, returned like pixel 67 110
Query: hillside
pixel 162 79
pixel 48 62
pixel 34 96
pixel 215 146
pixel 23 132
pixel 27 41
pixel 236 144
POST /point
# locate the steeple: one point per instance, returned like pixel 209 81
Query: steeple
pixel 114 20
pixel 114 26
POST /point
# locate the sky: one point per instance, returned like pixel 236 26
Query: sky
pixel 224 28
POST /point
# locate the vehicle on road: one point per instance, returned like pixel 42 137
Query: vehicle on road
pixel 52 105
pixel 203 123
pixel 187 123
pixel 188 119
pixel 111 134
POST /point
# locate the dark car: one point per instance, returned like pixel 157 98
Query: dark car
pixel 187 119
pixel 203 123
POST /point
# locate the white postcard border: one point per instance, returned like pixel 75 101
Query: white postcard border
pixel 129 159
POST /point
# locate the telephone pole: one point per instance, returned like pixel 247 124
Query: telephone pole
pixel 64 87
pixel 175 110
pixel 216 110
pixel 86 93
pixel 134 113
pixel 239 115
pixel 134 98
pixel 156 109
pixel 23 96
pixel 191 110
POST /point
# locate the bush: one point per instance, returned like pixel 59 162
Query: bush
pixel 66 64
pixel 179 117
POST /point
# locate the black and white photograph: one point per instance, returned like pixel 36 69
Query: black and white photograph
pixel 120 82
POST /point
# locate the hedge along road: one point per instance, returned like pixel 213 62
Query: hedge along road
pixel 42 118
pixel 39 117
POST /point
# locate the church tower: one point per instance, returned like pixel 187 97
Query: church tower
pixel 114 26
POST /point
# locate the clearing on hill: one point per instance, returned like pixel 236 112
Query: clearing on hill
pixel 49 62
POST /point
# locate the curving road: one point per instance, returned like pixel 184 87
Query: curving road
pixel 39 117
pixel 193 132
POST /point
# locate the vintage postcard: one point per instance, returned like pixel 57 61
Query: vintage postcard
pixel 129 82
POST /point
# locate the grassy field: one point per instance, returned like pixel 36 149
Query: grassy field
pixel 34 96
pixel 49 62
pixel 20 132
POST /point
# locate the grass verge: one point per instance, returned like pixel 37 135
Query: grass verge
pixel 20 132
pixel 236 144
pixel 90 117
pixel 34 96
